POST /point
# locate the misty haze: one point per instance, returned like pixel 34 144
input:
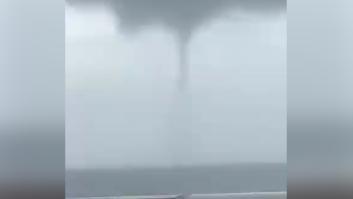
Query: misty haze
pixel 175 97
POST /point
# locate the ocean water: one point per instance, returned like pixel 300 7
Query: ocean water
pixel 254 195
pixel 239 178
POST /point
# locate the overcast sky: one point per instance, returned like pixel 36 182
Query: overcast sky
pixel 122 105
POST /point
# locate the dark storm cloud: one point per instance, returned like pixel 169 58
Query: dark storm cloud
pixel 182 15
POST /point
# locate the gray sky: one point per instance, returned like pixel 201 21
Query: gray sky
pixel 121 100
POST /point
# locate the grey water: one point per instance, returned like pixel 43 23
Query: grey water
pixel 235 178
